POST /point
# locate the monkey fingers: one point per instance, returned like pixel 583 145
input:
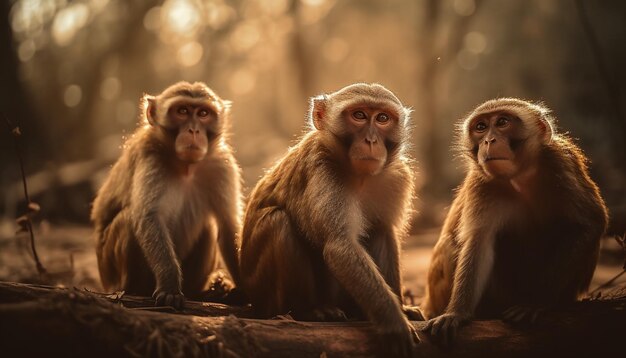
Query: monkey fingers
pixel 522 314
pixel 413 313
pixel 443 329
pixel 163 298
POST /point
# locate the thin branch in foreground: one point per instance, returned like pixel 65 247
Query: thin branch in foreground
pixel 25 221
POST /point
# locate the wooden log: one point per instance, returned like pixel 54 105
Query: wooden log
pixel 70 322
pixel 13 292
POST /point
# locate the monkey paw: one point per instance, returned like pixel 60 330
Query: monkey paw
pixel 443 329
pixel 521 315
pixel 413 313
pixel 399 341
pixel 168 298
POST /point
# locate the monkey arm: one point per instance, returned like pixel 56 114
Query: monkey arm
pixel 474 266
pixel 152 234
pixel 228 213
pixel 159 251
pixel 356 271
pixel 227 238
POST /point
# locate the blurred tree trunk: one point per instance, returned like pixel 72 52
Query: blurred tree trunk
pixel 124 45
pixel 15 106
pixel 431 162
pixel 301 57
pixel 435 60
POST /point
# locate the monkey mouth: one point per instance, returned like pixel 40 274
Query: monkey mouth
pixel 368 158
pixel 489 159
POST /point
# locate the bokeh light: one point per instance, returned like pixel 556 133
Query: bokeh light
pixel 475 42
pixel 189 54
pixel 464 7
pixel 68 22
pixel 72 95
pixel 242 81
pixel 110 88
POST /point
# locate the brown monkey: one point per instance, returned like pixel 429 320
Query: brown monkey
pixel 172 194
pixel 524 230
pixel 323 227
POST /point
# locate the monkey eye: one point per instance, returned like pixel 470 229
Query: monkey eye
pixel 382 118
pixel 359 115
pixel 502 121
pixel 182 110
pixel 203 113
pixel 481 126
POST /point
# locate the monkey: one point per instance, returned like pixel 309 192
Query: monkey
pixel 172 197
pixel 523 232
pixel 322 228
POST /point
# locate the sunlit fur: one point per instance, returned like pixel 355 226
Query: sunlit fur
pixel 319 239
pixel 529 240
pixel 157 218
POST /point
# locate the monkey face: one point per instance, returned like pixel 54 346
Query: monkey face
pixel 196 123
pixel 504 137
pixel 188 118
pixel 370 128
pixel 495 143
pixel 365 124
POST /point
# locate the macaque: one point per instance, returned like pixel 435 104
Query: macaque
pixel 171 197
pixel 322 229
pixel 524 230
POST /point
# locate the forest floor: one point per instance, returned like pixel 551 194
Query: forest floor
pixel 68 254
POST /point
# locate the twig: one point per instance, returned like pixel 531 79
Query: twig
pixel 15 131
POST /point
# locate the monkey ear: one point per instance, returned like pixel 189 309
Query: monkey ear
pixel 317 111
pixel 149 106
pixel 545 127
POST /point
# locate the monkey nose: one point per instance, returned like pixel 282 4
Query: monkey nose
pixel 490 140
pixel 371 140
pixel 193 131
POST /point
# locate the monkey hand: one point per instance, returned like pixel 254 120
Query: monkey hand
pixel 399 340
pixel 522 314
pixel 172 298
pixel 443 329
pixel 413 313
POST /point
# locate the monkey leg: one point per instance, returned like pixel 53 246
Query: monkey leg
pixel 289 273
pixel 121 262
pixel 200 262
pixel 440 279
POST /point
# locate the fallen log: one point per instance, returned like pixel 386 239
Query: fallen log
pixel 42 321
pixel 13 292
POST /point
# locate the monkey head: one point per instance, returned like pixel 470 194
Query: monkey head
pixel 503 137
pixel 366 121
pixel 189 117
